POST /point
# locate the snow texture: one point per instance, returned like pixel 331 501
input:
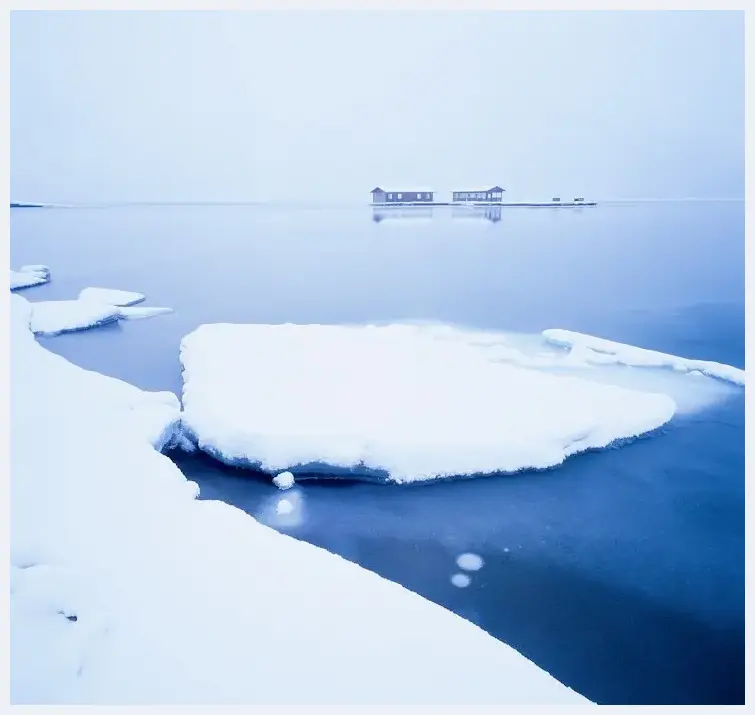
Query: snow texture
pixel 597 350
pixel 28 276
pixel 399 403
pixel 285 480
pixel 125 589
pixel 111 296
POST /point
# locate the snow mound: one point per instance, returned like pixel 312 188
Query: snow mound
pixel 285 480
pixel 28 276
pixel 400 403
pixel 125 589
pixel 53 317
pixel 600 351
pixel 111 296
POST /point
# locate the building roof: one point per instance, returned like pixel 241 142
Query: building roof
pixel 494 188
pixel 409 190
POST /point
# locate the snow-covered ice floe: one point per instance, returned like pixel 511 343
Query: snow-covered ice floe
pixel 401 403
pixel 28 276
pixel 111 296
pixel 599 351
pixel 94 307
pixel 139 311
pixel 53 317
pixel 125 589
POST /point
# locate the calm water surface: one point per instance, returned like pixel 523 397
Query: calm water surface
pixel 621 572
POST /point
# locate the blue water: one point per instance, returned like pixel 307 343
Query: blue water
pixel 621 572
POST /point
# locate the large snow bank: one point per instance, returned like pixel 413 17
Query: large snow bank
pixel 600 351
pixel 403 403
pixel 125 589
pixel 28 276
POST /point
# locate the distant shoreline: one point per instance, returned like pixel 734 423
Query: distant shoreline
pixel 353 204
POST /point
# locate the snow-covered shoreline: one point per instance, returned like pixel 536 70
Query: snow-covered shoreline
pixel 126 589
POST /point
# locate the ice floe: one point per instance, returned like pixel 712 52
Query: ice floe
pixel 594 350
pixel 125 589
pixel 142 311
pixel 400 403
pixel 28 276
pixel 94 307
pixel 112 296
pixel 53 317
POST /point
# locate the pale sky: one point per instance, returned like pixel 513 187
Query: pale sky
pixel 323 106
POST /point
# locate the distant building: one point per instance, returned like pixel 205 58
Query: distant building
pixel 403 196
pixel 494 194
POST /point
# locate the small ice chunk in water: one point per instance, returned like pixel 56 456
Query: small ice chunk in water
pixel 284 506
pixel 285 480
pixel 470 562
pixel 460 580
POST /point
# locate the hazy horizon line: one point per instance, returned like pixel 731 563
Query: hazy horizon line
pixel 306 202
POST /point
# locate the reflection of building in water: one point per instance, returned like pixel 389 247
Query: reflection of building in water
pixel 397 212
pixel 491 213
